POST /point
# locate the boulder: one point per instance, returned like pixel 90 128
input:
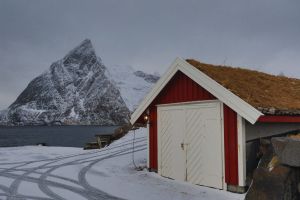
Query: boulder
pixel 288 150
pixel 277 184
pixel 272 179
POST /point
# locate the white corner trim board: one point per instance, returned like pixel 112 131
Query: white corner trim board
pixel 241 150
pixel 237 104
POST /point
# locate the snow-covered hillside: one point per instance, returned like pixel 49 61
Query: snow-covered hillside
pixel 133 85
pixel 79 89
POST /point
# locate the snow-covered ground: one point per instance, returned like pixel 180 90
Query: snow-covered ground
pixel 35 172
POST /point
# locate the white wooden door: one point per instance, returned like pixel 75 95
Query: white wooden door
pixel 204 145
pixel 190 143
pixel 172 156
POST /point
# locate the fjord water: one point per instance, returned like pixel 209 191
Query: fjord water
pixel 68 136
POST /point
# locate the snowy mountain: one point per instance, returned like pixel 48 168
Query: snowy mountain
pixel 74 90
pixel 133 85
pixel 79 89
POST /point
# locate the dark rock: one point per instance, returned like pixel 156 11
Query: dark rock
pixel 147 77
pixel 288 150
pixel 272 180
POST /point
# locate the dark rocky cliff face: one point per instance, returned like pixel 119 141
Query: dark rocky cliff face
pixel 74 90
pixel 150 78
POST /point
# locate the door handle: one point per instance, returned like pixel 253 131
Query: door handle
pixel 182 146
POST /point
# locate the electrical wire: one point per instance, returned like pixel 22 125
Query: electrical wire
pixel 135 166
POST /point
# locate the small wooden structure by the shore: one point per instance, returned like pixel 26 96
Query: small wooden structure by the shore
pixel 102 140
pixel 105 139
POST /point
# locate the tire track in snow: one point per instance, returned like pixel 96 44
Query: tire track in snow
pixel 85 189
pixel 92 192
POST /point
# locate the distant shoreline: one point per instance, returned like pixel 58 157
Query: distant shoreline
pixel 64 125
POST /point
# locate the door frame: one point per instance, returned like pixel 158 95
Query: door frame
pixel 182 104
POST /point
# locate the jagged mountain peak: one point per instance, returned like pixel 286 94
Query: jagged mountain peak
pixel 81 54
pixel 85 47
pixel 74 90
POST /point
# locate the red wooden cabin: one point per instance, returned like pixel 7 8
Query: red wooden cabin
pixel 200 116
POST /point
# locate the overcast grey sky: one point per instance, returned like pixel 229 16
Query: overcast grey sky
pixel 258 34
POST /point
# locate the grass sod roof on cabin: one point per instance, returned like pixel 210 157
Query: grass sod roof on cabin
pixel 270 94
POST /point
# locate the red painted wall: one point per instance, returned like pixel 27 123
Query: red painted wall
pixel 182 89
pixel 230 146
pixel 153 137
